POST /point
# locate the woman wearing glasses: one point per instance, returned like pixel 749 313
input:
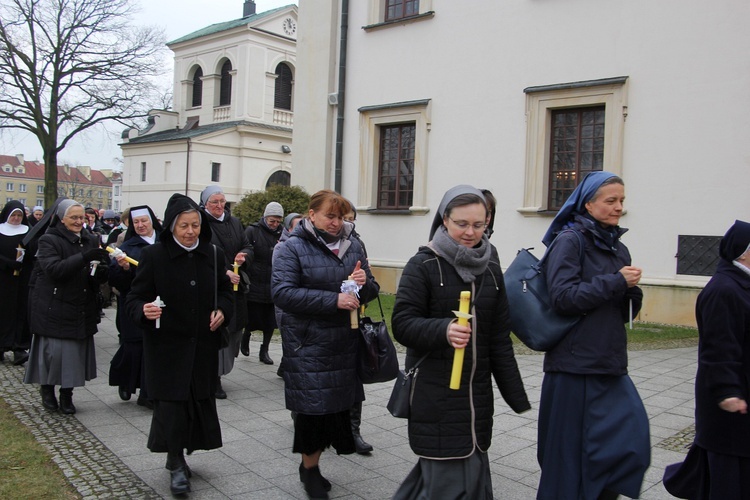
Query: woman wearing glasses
pixel 70 267
pixel 451 430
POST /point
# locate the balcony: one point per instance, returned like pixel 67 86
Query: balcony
pixel 222 113
pixel 283 117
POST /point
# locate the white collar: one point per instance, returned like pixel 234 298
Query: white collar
pixel 9 229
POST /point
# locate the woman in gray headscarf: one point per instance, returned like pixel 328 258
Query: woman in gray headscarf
pixel 64 307
pixel 451 430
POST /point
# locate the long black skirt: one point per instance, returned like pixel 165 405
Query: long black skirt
pixel 313 433
pixel 705 475
pixel 184 425
pixel 127 369
pixel 456 478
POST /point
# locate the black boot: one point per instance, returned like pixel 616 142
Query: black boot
pixel 263 356
pixel 49 401
pixel 245 344
pixel 220 394
pixel 179 473
pixel 66 401
pixel 313 480
pixel 20 356
pixel 303 471
pixel 360 445
pixel 124 393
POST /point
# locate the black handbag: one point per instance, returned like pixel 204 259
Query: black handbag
pixel 399 404
pixel 377 360
pixel 532 318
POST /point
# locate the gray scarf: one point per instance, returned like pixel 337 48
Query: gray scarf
pixel 468 262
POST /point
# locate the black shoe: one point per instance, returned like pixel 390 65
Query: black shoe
pixel 49 401
pixel 66 402
pixel 141 401
pixel 280 371
pixel 20 357
pixel 316 485
pixel 264 357
pixel 124 393
pixel 245 344
pixel 361 446
pixel 179 474
pixel 220 394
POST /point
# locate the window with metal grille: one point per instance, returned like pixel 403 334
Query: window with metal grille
pixel 215 171
pixel 279 178
pixel 197 88
pixel 697 255
pixel 225 90
pixel 283 87
pixel 396 166
pixel 576 148
pixel 399 9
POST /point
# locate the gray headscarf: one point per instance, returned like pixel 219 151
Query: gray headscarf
pixel 206 193
pixel 64 206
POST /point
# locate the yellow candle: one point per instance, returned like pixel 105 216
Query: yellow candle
pixel 458 356
pixel 236 268
pixel 128 259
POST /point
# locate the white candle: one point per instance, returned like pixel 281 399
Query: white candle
pixel 158 303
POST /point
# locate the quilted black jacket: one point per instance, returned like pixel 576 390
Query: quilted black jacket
pixel 446 423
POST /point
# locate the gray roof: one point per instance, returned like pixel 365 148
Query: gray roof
pixel 179 134
pixel 228 25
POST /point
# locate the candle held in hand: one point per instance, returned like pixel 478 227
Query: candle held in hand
pixel 458 357
pixel 236 270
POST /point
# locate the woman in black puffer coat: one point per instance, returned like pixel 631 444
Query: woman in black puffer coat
pixel 451 430
pixel 320 347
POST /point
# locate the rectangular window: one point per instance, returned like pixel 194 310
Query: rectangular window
pixel 8 199
pixel 22 188
pixel 117 190
pixel 9 186
pixel 577 148
pixel 399 9
pixel 396 166
pixel 40 202
pixel 23 201
pixel 566 138
pixel 117 205
pixel 89 193
pixel 143 171
pixel 697 255
pixel 40 189
pixel 215 171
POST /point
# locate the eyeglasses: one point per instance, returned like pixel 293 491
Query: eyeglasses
pixel 463 225
pixel 217 202
pixel 75 217
pixel 270 220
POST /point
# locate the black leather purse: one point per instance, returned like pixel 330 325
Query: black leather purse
pixel 377 360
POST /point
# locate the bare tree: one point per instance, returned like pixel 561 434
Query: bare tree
pixel 69 65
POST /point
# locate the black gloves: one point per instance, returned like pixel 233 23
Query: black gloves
pixel 15 265
pixel 96 254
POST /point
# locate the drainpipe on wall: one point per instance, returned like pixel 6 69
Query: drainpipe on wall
pixel 341 95
pixel 187 167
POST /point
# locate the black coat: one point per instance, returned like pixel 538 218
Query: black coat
pixel 263 240
pixel 64 298
pixel 229 236
pixel 182 355
pixel 597 290
pixel 723 314
pixel 122 279
pixel 318 343
pixel 447 423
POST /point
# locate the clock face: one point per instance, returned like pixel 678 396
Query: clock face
pixel 290 27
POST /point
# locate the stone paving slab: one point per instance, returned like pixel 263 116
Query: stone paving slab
pixel 102 449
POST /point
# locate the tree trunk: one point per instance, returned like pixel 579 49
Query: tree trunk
pixel 50 177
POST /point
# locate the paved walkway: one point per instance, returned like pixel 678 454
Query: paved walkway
pixel 102 449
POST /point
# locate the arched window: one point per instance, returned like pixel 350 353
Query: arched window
pixel 197 88
pixel 283 90
pixel 225 91
pixel 280 178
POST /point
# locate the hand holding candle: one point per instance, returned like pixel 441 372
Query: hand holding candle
pixel 116 253
pixel 236 266
pixel 458 357
pixel 158 303
pixel 20 252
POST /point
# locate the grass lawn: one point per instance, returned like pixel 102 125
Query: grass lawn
pixel 26 470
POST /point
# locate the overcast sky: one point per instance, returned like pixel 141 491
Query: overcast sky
pixel 98 149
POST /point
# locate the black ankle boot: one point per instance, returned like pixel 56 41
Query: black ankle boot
pixel 179 474
pixel 220 393
pixel 66 401
pixel 313 480
pixel 263 356
pixel 245 344
pixel 361 446
pixel 303 471
pixel 49 401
